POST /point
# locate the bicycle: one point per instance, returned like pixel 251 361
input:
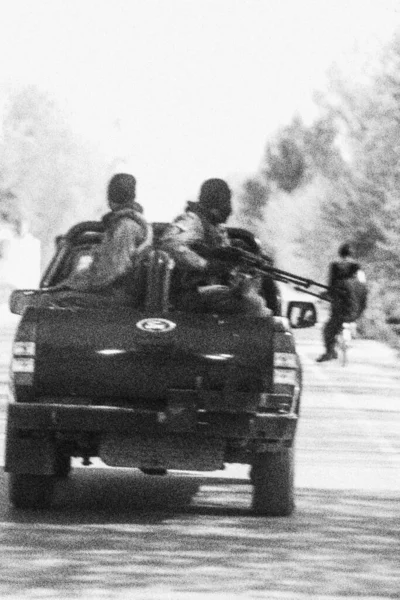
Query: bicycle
pixel 344 339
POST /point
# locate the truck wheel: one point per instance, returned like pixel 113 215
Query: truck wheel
pixel 30 491
pixel 272 476
pixel 154 471
pixel 62 465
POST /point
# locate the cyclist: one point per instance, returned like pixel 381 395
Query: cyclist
pixel 348 296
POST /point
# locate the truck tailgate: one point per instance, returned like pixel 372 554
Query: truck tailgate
pixel 120 356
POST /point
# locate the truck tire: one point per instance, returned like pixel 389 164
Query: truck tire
pixel 154 471
pixel 272 476
pixel 30 491
pixel 62 467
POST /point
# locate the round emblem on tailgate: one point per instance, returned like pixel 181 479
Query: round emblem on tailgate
pixel 156 325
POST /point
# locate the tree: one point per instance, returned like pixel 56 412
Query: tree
pixel 253 199
pixel 49 179
pixel 8 208
pixel 285 164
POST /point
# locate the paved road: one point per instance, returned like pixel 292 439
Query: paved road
pixel 115 534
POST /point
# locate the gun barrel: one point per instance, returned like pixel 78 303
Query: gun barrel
pixel 263 265
pixel 320 296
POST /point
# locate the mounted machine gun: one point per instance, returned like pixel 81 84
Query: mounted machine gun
pixel 261 264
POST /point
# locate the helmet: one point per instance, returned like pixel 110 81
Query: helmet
pixel 215 200
pixel 121 190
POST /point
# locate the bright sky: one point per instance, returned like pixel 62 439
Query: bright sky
pixel 185 89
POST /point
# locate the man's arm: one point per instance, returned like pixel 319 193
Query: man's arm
pixel 178 239
pixel 332 275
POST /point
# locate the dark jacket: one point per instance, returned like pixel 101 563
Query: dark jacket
pixel 348 292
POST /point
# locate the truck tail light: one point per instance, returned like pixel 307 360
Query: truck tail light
pixel 287 377
pixel 275 403
pixel 23 362
pixel 285 360
pixel 24 349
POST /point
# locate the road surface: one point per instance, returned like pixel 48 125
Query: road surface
pixel 113 533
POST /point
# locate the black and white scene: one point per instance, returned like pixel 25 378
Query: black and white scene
pixel 200 299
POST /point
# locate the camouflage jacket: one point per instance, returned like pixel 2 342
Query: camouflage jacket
pixel 189 230
pixel 126 235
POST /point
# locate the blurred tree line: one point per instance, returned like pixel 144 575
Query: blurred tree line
pixel 321 183
pixel 49 178
pixel 337 179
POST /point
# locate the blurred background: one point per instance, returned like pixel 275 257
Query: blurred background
pixel 295 104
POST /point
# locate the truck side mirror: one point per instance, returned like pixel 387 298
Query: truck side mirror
pixel 20 299
pixel 301 314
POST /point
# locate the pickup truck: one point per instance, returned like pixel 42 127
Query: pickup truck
pixel 151 386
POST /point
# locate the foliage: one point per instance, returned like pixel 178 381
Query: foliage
pixel 338 179
pixel 48 178
pixel 8 211
pixel 285 164
pixel 257 193
pixel 252 198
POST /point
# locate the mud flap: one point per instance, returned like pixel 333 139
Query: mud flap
pixel 28 455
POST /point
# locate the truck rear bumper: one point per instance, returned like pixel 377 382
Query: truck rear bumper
pixel 105 419
pixel 189 439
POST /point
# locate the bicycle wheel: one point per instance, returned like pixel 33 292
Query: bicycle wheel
pixel 342 349
pixel 345 341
